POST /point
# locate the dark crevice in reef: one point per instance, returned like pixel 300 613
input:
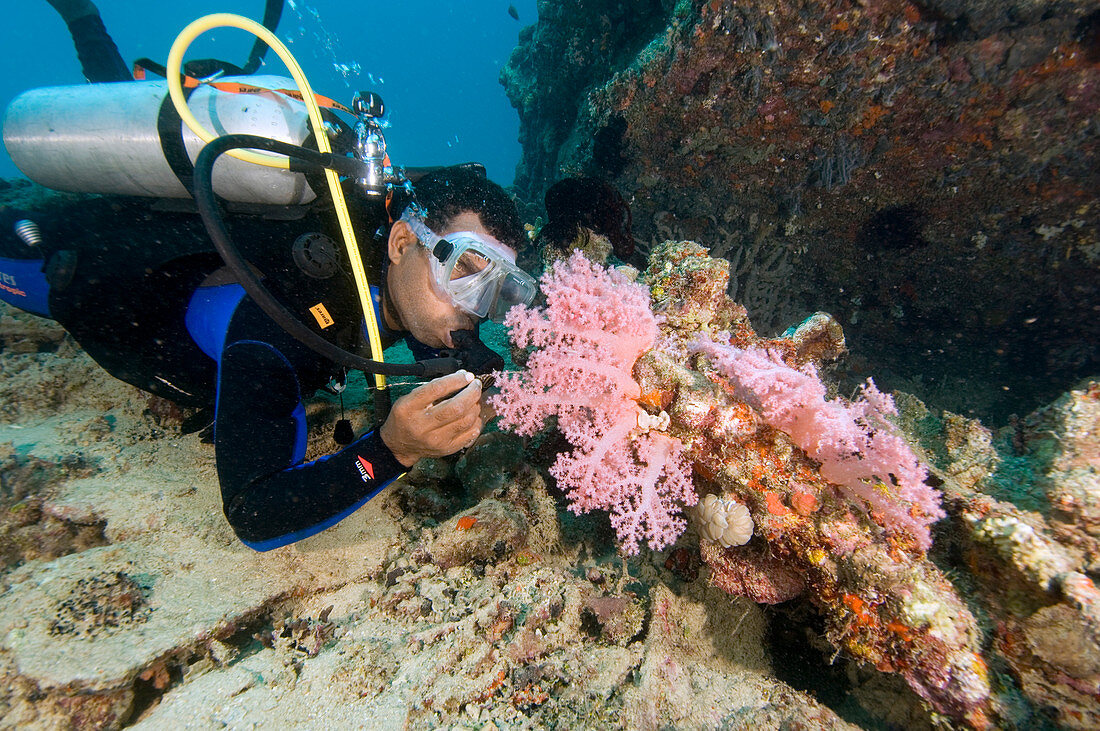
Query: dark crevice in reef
pixel 1088 35
pixel 237 642
pixel 150 688
pixel 805 660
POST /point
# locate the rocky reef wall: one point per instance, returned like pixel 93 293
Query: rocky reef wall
pixel 924 171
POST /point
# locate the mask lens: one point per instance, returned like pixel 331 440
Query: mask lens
pixel 513 291
pixel 516 289
pixel 469 263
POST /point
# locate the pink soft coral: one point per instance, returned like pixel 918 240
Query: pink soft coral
pixel 595 324
pixel 858 448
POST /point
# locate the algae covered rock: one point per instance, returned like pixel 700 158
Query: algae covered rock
pixel 924 172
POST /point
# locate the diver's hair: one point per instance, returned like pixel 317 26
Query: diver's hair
pixel 446 193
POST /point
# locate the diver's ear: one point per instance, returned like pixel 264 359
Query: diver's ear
pixel 401 238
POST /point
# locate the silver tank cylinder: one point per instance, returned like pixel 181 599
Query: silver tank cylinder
pixel 103 138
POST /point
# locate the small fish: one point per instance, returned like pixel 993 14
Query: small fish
pixel 513 12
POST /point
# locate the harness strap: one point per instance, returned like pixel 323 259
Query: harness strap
pixel 143 66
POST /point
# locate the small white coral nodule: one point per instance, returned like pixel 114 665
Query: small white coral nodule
pixel 659 422
pixel 726 521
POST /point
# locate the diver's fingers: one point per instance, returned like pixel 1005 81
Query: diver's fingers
pixel 457 408
pixel 459 433
pixel 419 427
pixel 468 427
pixel 468 437
pixel 465 429
pixel 422 397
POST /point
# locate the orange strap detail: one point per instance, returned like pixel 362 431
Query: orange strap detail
pixel 235 87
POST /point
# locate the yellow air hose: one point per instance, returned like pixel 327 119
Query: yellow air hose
pixel 175 89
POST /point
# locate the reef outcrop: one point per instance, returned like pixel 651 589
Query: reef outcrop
pixel 1023 505
pixel 861 562
pixel 838 495
pixel 926 172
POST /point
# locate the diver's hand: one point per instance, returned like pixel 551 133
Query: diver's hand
pixel 434 420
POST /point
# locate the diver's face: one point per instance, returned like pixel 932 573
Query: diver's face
pixel 428 315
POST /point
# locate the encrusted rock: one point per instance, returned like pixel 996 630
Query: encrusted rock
pixel 616 619
pixel 31 525
pixel 749 572
pixel 491 531
pixel 486 466
pixel 1020 561
pixel 846 156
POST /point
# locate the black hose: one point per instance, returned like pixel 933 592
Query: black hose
pixel 273 11
pixel 207 204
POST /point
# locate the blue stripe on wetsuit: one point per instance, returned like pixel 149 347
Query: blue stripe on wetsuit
pixel 299 416
pixel 208 320
pixel 211 308
pixel 300 436
pixel 208 316
pixel 23 284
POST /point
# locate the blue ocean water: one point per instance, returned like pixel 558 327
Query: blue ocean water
pixel 435 63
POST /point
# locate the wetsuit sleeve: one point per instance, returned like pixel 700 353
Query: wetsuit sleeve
pixel 269 496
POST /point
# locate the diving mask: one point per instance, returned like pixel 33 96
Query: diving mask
pixel 476 271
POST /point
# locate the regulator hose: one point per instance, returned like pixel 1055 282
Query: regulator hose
pixel 304 159
pixel 175 90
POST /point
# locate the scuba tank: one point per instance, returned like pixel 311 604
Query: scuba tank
pixel 126 138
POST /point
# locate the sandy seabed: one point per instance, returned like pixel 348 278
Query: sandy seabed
pixel 127 601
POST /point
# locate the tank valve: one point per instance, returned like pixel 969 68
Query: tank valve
pixel 370 145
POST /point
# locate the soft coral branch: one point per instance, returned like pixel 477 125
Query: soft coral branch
pixel 595 325
pixel 858 447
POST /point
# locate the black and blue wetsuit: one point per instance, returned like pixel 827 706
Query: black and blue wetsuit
pixel 146 297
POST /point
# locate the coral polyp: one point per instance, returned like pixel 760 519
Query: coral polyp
pixel 726 522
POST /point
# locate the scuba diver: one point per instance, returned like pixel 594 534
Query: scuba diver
pixel 139 286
